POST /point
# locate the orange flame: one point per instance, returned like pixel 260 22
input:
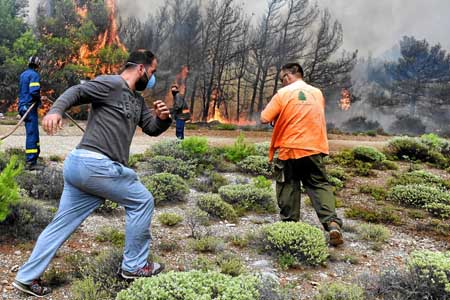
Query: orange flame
pixel 346 99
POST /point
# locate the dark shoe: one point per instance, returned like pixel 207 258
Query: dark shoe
pixel 36 288
pixel 150 269
pixel 334 230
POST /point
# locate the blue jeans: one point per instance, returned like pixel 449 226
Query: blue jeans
pixel 89 178
pixel 179 129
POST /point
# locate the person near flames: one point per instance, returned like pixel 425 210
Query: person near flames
pixel 97 169
pixel 181 111
pixel 29 93
pixel 300 137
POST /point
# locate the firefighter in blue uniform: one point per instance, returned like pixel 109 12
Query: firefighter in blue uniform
pixel 29 92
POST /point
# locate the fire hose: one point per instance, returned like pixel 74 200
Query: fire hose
pixel 26 114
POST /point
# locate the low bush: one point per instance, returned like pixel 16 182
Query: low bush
pixel 374 233
pixel 47 184
pixel 431 198
pixel 170 219
pixel 247 197
pixel 239 241
pixel 210 182
pixel 240 150
pixel 368 154
pixel 195 285
pixel 300 240
pixel 436 143
pixel 338 173
pixel 386 215
pixel 111 235
pixel 26 220
pixel 262 182
pixel 88 289
pixel 167 147
pixel 108 207
pixel 427 276
pixel 231 265
pixel 195 146
pixel 167 164
pixel 340 291
pixel 419 177
pixel 166 187
pixel 196 220
pixel 360 124
pixel 336 182
pixel 206 244
pixel 407 125
pixel 55 277
pixel 256 165
pixel 379 193
pixel 168 246
pixel 216 207
pixel 262 149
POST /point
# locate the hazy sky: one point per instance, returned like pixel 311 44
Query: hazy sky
pixel 373 26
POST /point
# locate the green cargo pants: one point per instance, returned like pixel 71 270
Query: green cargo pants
pixel 309 171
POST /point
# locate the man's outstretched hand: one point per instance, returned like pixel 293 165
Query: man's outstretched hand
pixel 161 110
pixel 52 123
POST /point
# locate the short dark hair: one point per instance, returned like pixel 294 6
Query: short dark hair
pixel 293 68
pixel 140 56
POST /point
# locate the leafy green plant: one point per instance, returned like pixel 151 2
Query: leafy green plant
pixel 209 183
pixel 340 291
pixel 262 149
pixel 55 277
pixel 304 242
pixel 419 177
pixel 107 207
pixel 88 289
pixel 239 241
pixel 215 206
pixel 166 187
pixel 193 285
pixel 195 146
pixel 256 165
pixel 206 244
pixel 247 197
pixel 111 235
pixel 385 215
pixel 379 193
pixel 338 173
pixel 231 265
pixel 167 164
pixel 170 219
pixel 262 182
pixel 368 154
pixel 374 233
pixel 167 147
pixel 433 267
pixel 9 191
pixel 240 150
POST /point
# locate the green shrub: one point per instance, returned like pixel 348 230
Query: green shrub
pixel 379 193
pixel 111 235
pixel 75 263
pixel 26 220
pixel 262 182
pixel 9 191
pixel 387 165
pixel 196 220
pixel 193 285
pixel 54 277
pixel 168 246
pixel 202 263
pixel 108 207
pixel 88 289
pixel 304 242
pixel 336 182
pixel 167 147
pixel 215 206
pixel 166 187
pixel 441 210
pixel 262 149
pixel 167 164
pixel 256 165
pixel 362 168
pixel 239 241
pixel 374 233
pixel 368 154
pixel 419 177
pixel 343 158
pixel 206 244
pixel 209 183
pixel 247 197
pixel 170 219
pixel 340 291
pixel 432 267
pixel 103 270
pixel 417 195
pixel 191 126
pixel 436 143
pixel 195 146
pixel 240 150
pixel 338 173
pixel 386 215
pixel 231 265
pixel 55 158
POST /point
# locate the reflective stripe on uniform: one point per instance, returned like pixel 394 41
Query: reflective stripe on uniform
pixel 29 151
pixel 32 84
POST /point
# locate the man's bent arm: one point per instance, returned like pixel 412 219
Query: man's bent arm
pixel 151 124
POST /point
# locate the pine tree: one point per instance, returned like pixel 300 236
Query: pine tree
pixel 9 190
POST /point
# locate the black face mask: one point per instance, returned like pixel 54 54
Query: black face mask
pixel 141 84
pixel 174 93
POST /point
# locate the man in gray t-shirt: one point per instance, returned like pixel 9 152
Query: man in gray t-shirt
pixel 97 169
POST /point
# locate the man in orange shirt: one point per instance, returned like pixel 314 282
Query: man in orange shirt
pixel 300 137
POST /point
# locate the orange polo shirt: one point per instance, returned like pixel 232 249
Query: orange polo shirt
pixel 300 127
